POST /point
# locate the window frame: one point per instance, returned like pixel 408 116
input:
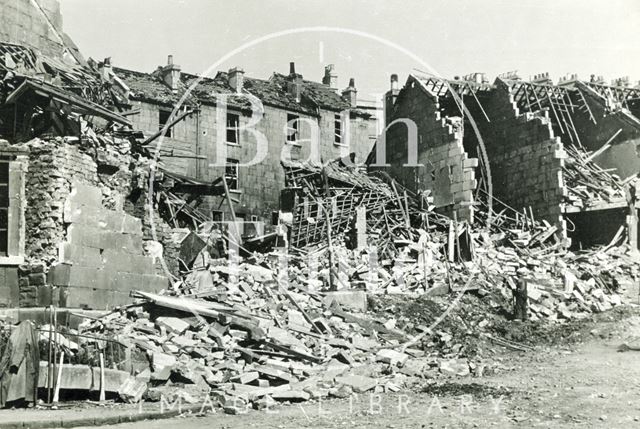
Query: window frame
pixel 338 129
pixel 293 133
pixel 232 176
pixel 235 131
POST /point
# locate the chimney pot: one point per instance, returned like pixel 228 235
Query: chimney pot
pixel 292 68
pixel 390 98
pixel 394 82
pixel 170 60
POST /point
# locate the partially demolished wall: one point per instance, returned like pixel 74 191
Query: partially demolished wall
pixel 447 172
pixel 525 158
pixel 81 249
pixel 37 24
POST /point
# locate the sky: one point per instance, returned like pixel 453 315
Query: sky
pixel 452 37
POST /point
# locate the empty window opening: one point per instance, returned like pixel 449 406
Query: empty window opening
pixel 231 173
pixel 217 216
pixel 163 120
pixel 292 127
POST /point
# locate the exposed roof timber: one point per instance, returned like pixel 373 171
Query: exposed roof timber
pixel 532 97
pixel 66 97
pixel 621 94
pixel 441 87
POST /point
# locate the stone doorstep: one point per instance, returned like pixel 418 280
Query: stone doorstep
pixel 84 377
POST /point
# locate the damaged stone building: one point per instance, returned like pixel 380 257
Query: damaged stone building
pixel 565 153
pixel 71 230
pixel 78 141
pixel 74 229
pixel 297 114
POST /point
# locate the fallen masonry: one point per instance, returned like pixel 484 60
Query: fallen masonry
pixel 263 329
pixel 139 294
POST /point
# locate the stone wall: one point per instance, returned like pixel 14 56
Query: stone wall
pixel 53 165
pixel 260 184
pixel 446 171
pixel 85 245
pixel 34 23
pixel 525 158
pixel 102 258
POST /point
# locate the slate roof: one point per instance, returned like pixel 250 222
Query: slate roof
pixel 273 92
pixel 149 87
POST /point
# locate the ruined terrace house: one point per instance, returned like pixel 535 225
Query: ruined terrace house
pixel 296 111
pixel 537 136
pixel 74 231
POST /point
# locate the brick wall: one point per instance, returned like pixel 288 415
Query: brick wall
pixel 447 170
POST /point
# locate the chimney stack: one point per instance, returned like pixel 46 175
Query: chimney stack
pixel 236 79
pixel 350 93
pixel 390 99
pixel 105 70
pixel 394 83
pixel 294 82
pixel 171 74
pixel 330 78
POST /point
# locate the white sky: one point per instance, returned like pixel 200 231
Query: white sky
pixel 455 37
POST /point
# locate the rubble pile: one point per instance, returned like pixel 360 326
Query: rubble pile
pixel 266 328
pixel 588 184
pixel 327 198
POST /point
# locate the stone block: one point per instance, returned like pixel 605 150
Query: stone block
pixel 95 299
pixel 125 282
pixel 351 299
pixel 127 263
pixel 391 357
pixel 79 255
pixel 37 279
pixel 101 218
pixel 358 383
pixel 71 275
pixel 94 237
pixel 172 324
